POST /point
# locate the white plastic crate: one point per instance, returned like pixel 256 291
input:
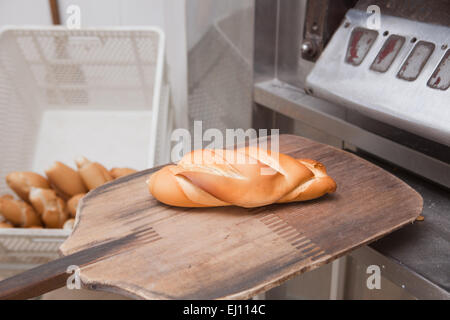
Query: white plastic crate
pixel 95 92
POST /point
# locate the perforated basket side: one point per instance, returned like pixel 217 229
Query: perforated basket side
pixel 113 68
pixel 18 120
pixel 110 69
pixel 28 246
pixel 53 68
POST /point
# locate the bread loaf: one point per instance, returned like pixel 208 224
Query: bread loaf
pixel 5 196
pixel 22 182
pixel 65 180
pixel 120 172
pixel 72 204
pixel 51 208
pixel 68 225
pixel 18 212
pixel 4 225
pixel 92 173
pixel 247 177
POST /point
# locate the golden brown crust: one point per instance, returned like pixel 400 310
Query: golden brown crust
pixel 121 172
pixel 22 182
pixel 92 173
pixel 164 186
pixel 5 224
pixel 51 208
pixel 316 187
pixel 246 177
pixel 68 225
pixel 72 204
pixel 19 213
pixel 65 180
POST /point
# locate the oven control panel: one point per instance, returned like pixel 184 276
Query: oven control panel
pixel 398 73
pixel 362 40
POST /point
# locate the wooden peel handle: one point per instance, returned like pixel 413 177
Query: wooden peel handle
pixel 36 281
pixel 53 275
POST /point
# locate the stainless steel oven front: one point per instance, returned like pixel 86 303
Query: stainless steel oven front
pixel 372 77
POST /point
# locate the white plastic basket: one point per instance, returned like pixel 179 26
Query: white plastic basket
pixel 97 92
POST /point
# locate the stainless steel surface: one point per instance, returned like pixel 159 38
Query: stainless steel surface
pixel 416 61
pixel 295 103
pixel 417 255
pixel 426 259
pixel 314 29
pixel 422 247
pixel 279 29
pixel 278 37
pixel 360 42
pixel 441 77
pixel 431 11
pixel 410 105
pixel 322 18
pixel 220 63
pixel 357 277
pixel 388 53
pixel 413 283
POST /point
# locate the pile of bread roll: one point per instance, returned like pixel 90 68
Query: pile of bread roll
pixel 51 202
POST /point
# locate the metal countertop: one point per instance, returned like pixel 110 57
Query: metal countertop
pixel 420 250
pixel 423 246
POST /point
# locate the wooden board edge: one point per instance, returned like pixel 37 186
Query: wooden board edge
pixel 295 271
pixel 62 250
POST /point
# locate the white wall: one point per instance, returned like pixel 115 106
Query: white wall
pixel 20 12
pixel 93 12
pixel 116 12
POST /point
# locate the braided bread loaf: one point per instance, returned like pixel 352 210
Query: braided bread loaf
pixel 246 177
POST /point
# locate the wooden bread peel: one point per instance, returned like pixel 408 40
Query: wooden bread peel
pixel 128 243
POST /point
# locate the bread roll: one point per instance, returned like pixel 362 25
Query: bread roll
pixel 92 173
pixel 19 213
pixel 5 224
pixel 72 204
pixel 247 177
pixel 68 225
pixel 51 208
pixel 120 172
pixel 65 180
pixel 314 188
pixel 21 183
pixel 5 196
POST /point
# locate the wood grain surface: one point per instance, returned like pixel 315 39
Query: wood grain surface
pixel 126 242
pixel 233 252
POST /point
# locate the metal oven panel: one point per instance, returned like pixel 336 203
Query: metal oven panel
pixel 441 77
pixel 361 41
pixel 388 53
pixel 417 59
pixel 393 75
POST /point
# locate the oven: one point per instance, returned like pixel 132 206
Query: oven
pixel 371 77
